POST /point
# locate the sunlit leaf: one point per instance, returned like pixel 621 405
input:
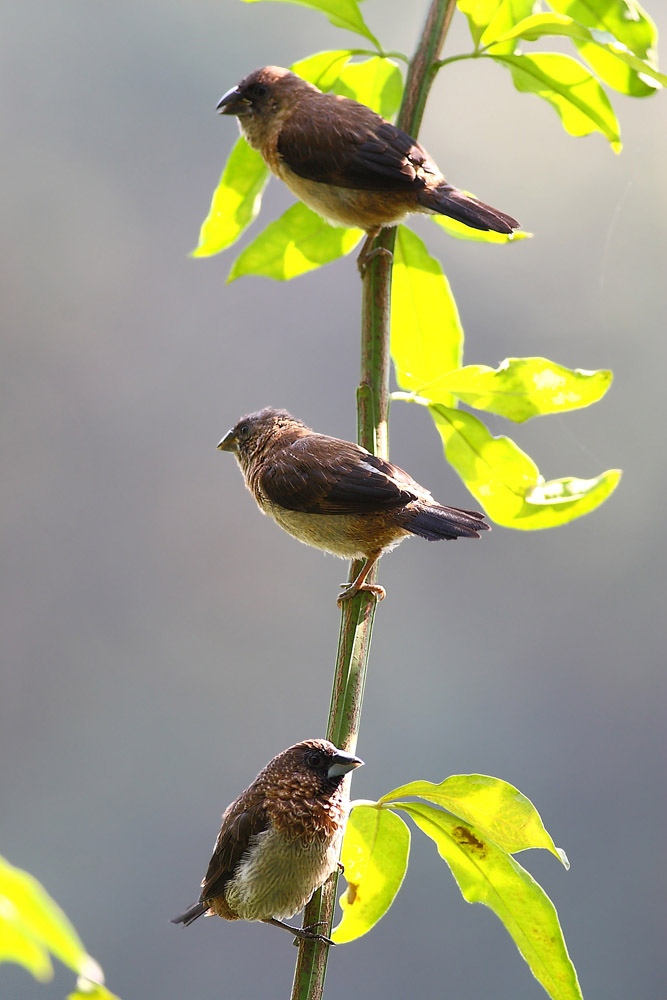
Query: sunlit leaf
pixel 236 200
pixel 486 874
pixel 520 388
pixel 376 82
pixel 495 808
pixel 479 13
pixel 462 232
pixel 375 856
pixel 613 61
pixel 32 926
pixel 509 12
pixel 426 332
pixel 626 20
pixel 323 68
pixel 568 86
pixel 341 13
pixel 87 990
pixel 297 242
pixel 507 482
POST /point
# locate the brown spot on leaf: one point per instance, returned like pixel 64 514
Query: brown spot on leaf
pixel 351 892
pixel 467 839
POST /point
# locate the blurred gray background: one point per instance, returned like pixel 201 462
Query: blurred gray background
pixel 163 640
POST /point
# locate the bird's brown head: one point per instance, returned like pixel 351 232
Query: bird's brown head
pixel 315 767
pixel 263 97
pixel 250 438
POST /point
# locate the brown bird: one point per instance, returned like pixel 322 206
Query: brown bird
pixel 343 160
pixel 279 840
pixel 337 496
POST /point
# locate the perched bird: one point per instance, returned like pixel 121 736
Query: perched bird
pixel 345 161
pixel 280 840
pixel 337 496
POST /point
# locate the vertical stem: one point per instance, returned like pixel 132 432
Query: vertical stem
pixel 372 433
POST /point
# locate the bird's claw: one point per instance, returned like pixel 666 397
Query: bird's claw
pixel 365 259
pixel 351 591
pixel 307 934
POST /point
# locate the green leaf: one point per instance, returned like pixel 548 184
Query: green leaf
pixel 376 82
pixel 520 388
pixel 32 925
pixel 509 13
pixel 479 13
pixel 462 232
pixel 87 990
pixel 323 68
pixel 486 874
pixel 495 808
pixel 375 856
pixel 426 332
pixel 568 86
pixel 613 61
pixel 625 20
pixel 297 242
pixel 341 13
pixel 507 482
pixel 236 200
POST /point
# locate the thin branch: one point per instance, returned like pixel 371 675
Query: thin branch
pixel 372 432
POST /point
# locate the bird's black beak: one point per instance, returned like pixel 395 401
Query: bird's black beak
pixel 232 103
pixel 229 442
pixel 341 763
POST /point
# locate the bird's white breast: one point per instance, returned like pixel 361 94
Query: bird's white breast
pixel 277 877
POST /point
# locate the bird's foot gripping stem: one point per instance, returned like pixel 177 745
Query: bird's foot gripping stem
pixel 302 933
pixel 366 254
pixel 359 583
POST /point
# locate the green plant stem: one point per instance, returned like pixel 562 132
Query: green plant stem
pixel 372 433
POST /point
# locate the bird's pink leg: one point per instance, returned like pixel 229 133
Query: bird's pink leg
pixel 366 254
pixel 359 583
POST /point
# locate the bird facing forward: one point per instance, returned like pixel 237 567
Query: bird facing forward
pixel 335 495
pixel 343 160
pixel 279 840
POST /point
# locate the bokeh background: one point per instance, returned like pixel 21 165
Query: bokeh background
pixel 162 640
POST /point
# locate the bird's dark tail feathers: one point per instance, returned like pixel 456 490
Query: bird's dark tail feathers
pixel 448 200
pixel 191 914
pixel 434 522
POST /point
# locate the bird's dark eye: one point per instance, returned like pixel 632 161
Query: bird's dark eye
pixel 260 90
pixel 314 759
pixel 242 431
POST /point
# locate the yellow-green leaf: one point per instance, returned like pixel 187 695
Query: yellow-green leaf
pixel 236 200
pixel 625 20
pixel 297 242
pixel 426 332
pixel 612 60
pixel 462 232
pixel 341 13
pixel 495 808
pixel 375 856
pixel 568 86
pixel 486 874
pixel 479 14
pixel 520 388
pixel 86 990
pixel 507 482
pixel 376 82
pixel 509 12
pixel 323 68
pixel 32 926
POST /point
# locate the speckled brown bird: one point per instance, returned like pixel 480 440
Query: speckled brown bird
pixel 336 496
pixel 343 160
pixel 280 840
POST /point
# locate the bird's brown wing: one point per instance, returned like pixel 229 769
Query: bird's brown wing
pixel 344 143
pixel 238 826
pixel 318 474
